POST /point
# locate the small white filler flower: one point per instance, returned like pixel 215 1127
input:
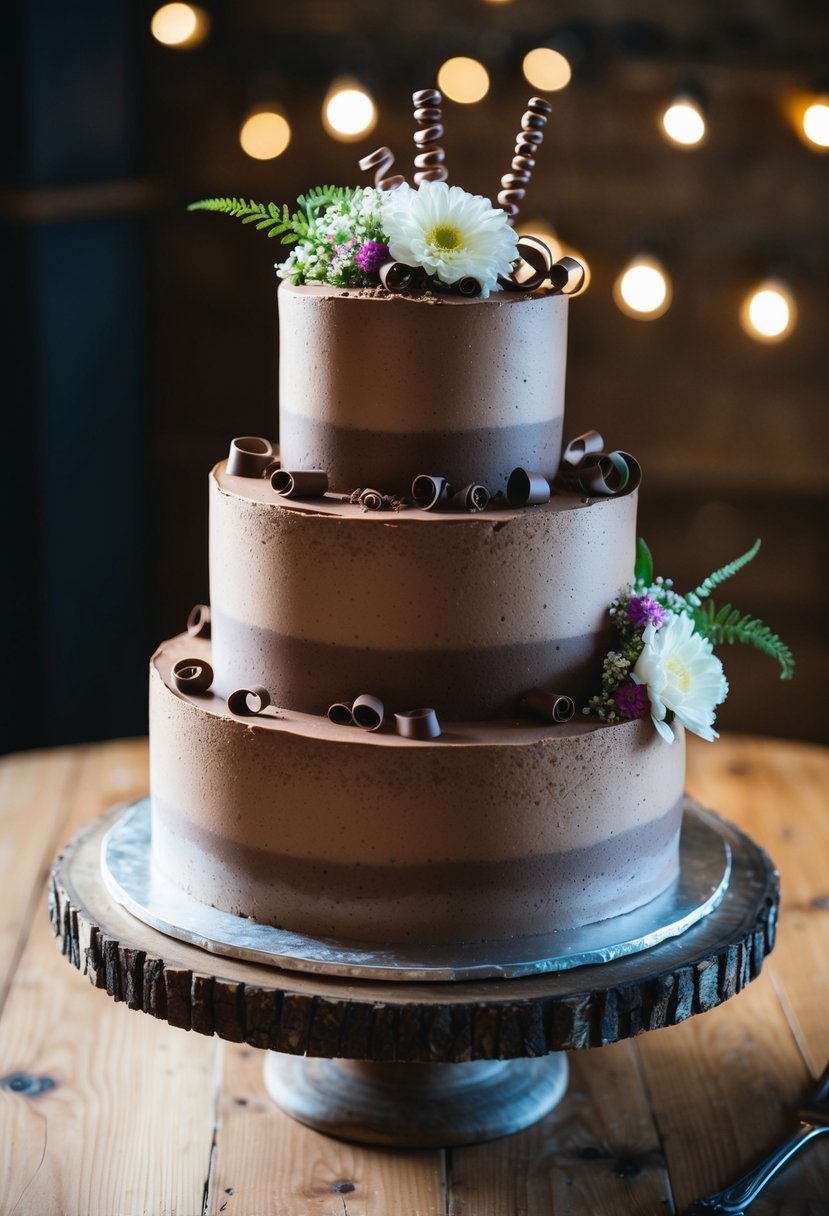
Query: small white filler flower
pixel 451 234
pixel 681 674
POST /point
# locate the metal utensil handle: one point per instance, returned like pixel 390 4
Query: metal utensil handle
pixel 735 1198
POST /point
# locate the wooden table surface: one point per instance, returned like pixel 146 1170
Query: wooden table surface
pixel 107 1112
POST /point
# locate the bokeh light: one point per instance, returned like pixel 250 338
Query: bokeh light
pixel 547 69
pixel 265 135
pixel 181 26
pixel 769 312
pixel 683 122
pixel 643 289
pixel 464 80
pixel 349 111
pixel 815 123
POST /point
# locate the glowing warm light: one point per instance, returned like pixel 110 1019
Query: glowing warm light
pixel 180 25
pixel 546 69
pixel 684 122
pixel 348 111
pixel 643 289
pixel 464 80
pixel 265 135
pixel 769 313
pixel 815 123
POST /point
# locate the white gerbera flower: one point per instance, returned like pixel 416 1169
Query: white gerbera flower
pixel 681 674
pixel 450 233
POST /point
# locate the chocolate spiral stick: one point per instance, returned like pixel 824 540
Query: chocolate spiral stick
pixel 430 155
pixel 381 160
pixel 527 142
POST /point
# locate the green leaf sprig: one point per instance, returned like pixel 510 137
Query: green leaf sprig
pixel 279 221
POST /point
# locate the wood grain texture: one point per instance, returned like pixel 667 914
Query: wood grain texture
pixel 266 1162
pixel 101 1112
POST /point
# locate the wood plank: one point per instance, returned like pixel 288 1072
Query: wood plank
pixel 725 1087
pixel 267 1162
pixel 34 787
pixel 753 783
pixel 124 1121
pixel 598 1152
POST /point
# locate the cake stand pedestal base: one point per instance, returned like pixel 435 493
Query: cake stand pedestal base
pixel 416 1105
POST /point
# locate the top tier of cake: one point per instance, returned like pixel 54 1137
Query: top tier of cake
pixel 378 388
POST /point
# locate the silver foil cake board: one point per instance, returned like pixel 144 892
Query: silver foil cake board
pixel 704 874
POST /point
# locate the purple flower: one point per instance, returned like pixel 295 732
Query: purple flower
pixel 632 700
pixel 642 611
pixel 371 256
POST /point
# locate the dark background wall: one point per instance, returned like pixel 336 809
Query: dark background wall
pixel 139 338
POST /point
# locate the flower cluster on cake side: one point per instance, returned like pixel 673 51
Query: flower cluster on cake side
pixel 664 663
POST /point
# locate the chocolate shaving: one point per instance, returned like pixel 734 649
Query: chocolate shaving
pixel 397 277
pixel 192 675
pixel 249 456
pixel 599 474
pixel 368 712
pixel 302 483
pixel 198 622
pixel 469 287
pixel 554 706
pixel 381 160
pixel 429 161
pixel 471 498
pixel 567 276
pixel 340 714
pixel 374 500
pixel 247 702
pixel 527 141
pixel 430 492
pixel 527 489
pixel 418 724
pixel 581 446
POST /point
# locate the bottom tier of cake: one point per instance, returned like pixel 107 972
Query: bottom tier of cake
pixel 497 829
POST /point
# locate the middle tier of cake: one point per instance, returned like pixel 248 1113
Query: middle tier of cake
pixel 320 601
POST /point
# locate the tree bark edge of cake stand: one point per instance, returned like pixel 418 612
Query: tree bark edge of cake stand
pixel 450 1023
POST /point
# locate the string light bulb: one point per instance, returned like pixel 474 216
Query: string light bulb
pixel 643 289
pixel 815 122
pixel 463 80
pixel 769 312
pixel 349 111
pixel 265 134
pixel 547 69
pixel 683 120
pixel 180 26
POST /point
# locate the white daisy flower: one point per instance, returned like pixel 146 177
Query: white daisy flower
pixel 681 674
pixel 450 233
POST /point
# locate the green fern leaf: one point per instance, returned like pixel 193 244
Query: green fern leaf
pixel 643 569
pixel 729 625
pixel 719 576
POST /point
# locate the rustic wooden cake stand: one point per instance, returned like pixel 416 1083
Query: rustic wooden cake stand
pixel 403 1063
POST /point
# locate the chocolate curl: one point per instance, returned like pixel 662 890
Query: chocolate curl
pixel 430 492
pixel 566 276
pixel 198 622
pixel 430 155
pixel 468 287
pixel 249 456
pixel 553 706
pixel 533 265
pixel 368 712
pixel 526 489
pixel 381 160
pixel 471 498
pixel 340 714
pixel 609 475
pixel 527 142
pixel 418 724
pixel 192 675
pixel 583 445
pixel 371 500
pixel 398 277
pixel 303 483
pixel 247 702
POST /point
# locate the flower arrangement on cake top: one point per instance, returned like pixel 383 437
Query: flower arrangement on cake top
pixel 430 237
pixel 664 663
